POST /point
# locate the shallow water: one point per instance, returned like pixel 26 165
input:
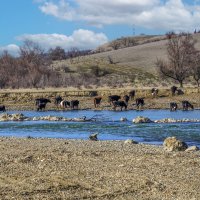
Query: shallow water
pixel 108 126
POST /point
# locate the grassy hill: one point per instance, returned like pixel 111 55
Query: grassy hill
pixel 130 66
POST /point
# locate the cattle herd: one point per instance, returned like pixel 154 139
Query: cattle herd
pixel 114 100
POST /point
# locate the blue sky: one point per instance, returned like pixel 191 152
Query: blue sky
pixel 87 24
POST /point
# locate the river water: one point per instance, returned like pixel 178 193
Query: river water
pixel 108 126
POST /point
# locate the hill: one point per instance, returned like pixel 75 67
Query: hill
pixel 128 66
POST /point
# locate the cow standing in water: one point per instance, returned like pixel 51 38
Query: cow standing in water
pixel 3 108
pixel 113 98
pixel 173 106
pixel 121 104
pixel 97 101
pixel 186 105
pixel 41 103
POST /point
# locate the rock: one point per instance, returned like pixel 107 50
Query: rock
pixel 93 137
pixel 166 120
pixel 123 119
pixel 173 144
pixel 17 117
pixel 13 117
pixel 192 148
pixel 129 141
pixel 141 119
pixel 81 119
pixel 171 120
pixel 4 117
pixel 35 119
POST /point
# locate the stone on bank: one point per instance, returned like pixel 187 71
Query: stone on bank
pixel 141 119
pixel 173 144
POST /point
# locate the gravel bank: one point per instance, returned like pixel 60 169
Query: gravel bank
pixel 78 169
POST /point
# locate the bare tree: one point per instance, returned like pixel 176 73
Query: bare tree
pixel 115 44
pixel 8 70
pixel 33 59
pixel 4 61
pixel 195 69
pixel 180 49
pixel 57 54
pixel 72 53
pixel 170 34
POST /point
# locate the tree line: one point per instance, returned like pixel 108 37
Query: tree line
pixel 33 67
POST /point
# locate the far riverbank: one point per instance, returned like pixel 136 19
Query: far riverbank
pixel 25 99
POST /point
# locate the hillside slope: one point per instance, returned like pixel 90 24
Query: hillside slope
pixel 131 65
pixel 144 55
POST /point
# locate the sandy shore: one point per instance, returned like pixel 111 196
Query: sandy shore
pixel 76 169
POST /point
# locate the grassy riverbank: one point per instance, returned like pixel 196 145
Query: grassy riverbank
pixel 77 169
pixel 24 99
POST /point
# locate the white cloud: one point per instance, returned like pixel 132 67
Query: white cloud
pixel 11 49
pixel 82 39
pixel 154 14
pixel 61 10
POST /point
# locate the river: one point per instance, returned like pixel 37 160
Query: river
pixel 108 126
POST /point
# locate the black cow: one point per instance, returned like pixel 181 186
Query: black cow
pixel 186 105
pixel 113 98
pixel 3 108
pixel 74 104
pixel 154 92
pixel 41 106
pixel 41 100
pixel 173 90
pixel 97 101
pixel 120 104
pixel 132 94
pixel 139 103
pixel 41 103
pixel 58 100
pixel 126 98
pixel 173 106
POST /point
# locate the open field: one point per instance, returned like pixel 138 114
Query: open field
pixel 76 169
